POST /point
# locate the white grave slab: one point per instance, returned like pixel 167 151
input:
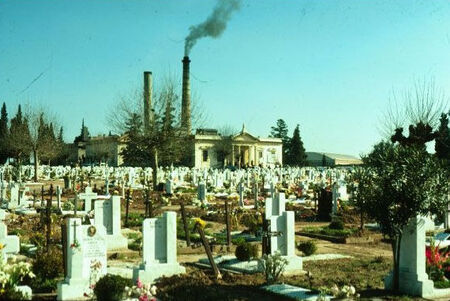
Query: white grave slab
pixel 107 220
pixel 86 263
pixel 159 250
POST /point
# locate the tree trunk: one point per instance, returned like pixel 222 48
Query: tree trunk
pixel 362 220
pixel 36 165
pixel 396 243
pixel 155 168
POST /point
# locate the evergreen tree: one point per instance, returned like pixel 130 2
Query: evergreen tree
pixel 134 154
pixel 280 130
pixel 169 141
pixel 4 135
pixel 296 153
pixel 442 146
pixel 19 137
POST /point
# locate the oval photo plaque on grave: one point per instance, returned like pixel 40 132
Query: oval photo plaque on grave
pixel 91 231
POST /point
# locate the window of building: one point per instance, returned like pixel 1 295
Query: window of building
pixel 205 155
pixel 260 154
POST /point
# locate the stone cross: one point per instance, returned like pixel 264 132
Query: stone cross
pixel 88 196
pixel 10 242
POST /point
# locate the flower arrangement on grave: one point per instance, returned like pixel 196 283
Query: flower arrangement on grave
pixel 233 197
pixel 75 245
pixel 346 291
pixel 96 266
pixel 144 292
pixel 11 273
pixel 436 263
pixel 199 221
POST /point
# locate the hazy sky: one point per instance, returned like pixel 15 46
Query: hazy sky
pixel 329 66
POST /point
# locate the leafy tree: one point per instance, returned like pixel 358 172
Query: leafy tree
pixel 405 181
pixel 360 187
pixel 442 146
pixel 280 130
pixel 4 135
pixel 296 153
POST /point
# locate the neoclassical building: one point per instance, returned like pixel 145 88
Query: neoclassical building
pixel 243 149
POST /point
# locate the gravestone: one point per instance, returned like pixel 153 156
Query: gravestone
pixel 241 193
pixel 324 205
pixel 282 229
pixel 335 197
pixel 275 206
pixel 159 249
pixel 11 242
pixel 86 260
pixel 169 186
pixel 201 194
pixel 413 277
pixel 13 202
pixel 107 221
pixel 87 196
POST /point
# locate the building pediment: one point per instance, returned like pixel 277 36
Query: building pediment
pixel 244 137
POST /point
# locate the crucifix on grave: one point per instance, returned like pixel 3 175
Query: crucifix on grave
pixel 267 235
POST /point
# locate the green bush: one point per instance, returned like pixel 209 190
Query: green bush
pixel 134 219
pixel 111 288
pixel 48 268
pixel 308 247
pixel 49 265
pixel 246 251
pixel 252 222
pixel 337 224
pixel 136 245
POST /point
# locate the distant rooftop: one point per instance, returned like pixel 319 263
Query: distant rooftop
pixel 207 132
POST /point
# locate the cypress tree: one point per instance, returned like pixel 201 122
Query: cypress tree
pixel 133 153
pixel 280 130
pixel 296 154
pixel 19 137
pixel 4 151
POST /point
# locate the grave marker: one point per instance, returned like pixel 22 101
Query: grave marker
pixel 159 249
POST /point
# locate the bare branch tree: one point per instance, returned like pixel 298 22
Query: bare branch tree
pixel 423 104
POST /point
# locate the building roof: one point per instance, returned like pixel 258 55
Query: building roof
pixel 340 159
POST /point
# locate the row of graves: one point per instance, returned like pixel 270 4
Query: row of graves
pixel 88 234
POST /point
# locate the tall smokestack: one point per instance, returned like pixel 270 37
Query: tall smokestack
pixel 148 113
pixel 186 97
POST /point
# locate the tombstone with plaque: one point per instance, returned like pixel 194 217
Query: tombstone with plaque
pixel 85 260
pixel 159 249
pixel 107 220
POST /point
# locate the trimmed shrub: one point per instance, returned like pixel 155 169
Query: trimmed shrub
pixel 246 251
pixel 337 224
pixel 111 288
pixel 308 247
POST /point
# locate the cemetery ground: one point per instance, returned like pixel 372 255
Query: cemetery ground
pixel 365 265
